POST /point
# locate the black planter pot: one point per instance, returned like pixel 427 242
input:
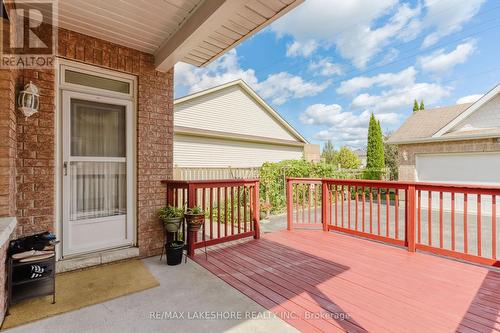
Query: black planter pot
pixel 174 253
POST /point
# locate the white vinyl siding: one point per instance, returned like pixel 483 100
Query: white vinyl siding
pixel 486 117
pixel 229 110
pixel 193 151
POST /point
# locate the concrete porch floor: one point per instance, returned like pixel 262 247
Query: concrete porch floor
pixel 184 288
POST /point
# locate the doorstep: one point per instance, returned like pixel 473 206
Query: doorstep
pixel 97 258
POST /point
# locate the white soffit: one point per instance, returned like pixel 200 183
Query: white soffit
pixel 192 31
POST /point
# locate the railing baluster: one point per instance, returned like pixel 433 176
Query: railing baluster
pixel 387 205
pixel 378 212
pixel 419 217
pixel 441 219
pixel 371 210
pixel 203 208
pixel 239 208
pixel 494 226
pixel 225 211
pixel 466 241
pixel 218 212
pixel 396 214
pixel 453 221
pixel 349 207
pixel 429 218
pixel 342 205
pixel 303 203
pixel 211 213
pixel 336 205
pixel 309 202
pixel 232 210
pixel 316 203
pixel 479 245
pixel 245 208
pixel 356 213
pixel 363 208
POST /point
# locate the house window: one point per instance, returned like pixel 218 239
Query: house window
pixel 97 82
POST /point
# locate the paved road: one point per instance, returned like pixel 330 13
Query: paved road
pixel 279 223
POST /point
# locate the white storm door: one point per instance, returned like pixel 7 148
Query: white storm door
pixel 97 173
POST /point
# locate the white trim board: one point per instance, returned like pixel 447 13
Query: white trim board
pixel 471 109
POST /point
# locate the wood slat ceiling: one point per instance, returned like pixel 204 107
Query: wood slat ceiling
pixel 139 24
pixel 147 25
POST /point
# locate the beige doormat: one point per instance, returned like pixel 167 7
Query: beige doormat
pixel 75 290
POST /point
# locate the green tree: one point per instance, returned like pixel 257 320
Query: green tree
pixel 328 153
pixel 391 157
pixel 347 159
pixel 375 150
pixel 415 106
pixel 422 106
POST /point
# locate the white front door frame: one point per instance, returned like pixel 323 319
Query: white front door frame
pixel 63 88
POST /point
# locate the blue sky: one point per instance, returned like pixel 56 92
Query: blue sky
pixel 328 64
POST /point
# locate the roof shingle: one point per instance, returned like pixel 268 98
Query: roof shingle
pixel 425 123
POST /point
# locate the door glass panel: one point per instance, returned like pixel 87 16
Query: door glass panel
pixel 97 82
pixel 97 129
pixel 97 189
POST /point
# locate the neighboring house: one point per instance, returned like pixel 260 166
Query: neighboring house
pixel 459 143
pixel 231 126
pixel 89 164
pixel 362 156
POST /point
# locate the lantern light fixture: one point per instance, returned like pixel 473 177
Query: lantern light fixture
pixel 28 100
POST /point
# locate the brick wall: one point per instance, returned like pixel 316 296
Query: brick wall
pixel 407 153
pixel 8 82
pixel 36 137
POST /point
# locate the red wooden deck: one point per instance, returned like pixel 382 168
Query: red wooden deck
pixel 313 278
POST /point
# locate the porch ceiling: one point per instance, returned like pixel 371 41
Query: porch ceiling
pixel 192 31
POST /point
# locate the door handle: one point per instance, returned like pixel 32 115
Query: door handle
pixel 65 168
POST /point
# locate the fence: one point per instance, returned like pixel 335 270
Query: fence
pixel 231 207
pixel 454 220
pixel 215 173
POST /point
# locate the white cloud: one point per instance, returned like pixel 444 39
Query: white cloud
pixel 400 98
pixel 330 22
pixel 389 57
pixel 469 99
pixel 344 127
pixel 325 67
pixel 404 78
pixel 276 88
pixel 447 17
pixel 283 86
pixel 301 49
pixel 440 62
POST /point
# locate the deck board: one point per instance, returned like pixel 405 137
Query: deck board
pixel 382 288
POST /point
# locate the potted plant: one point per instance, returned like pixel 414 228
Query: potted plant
pixel 195 217
pixel 174 250
pixel 171 217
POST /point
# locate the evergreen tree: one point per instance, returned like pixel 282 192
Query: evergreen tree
pixel 422 107
pixel 375 150
pixel 415 106
pixel 328 154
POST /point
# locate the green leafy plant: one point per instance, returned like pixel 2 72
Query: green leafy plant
pixel 170 212
pixel 195 211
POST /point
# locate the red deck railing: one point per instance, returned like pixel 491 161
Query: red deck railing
pixel 231 207
pixel 454 220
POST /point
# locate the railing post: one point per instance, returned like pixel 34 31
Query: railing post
pixel 289 204
pixel 256 211
pixel 410 218
pixel 325 206
pixel 192 236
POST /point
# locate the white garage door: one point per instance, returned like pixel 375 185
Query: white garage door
pixel 472 168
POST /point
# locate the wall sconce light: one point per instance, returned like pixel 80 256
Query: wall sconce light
pixel 28 100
